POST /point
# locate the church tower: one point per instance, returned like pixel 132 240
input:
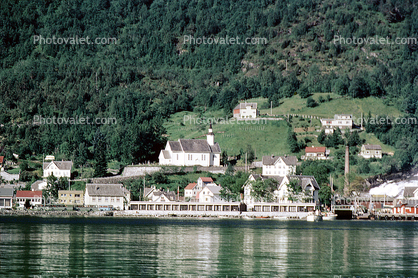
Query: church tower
pixel 210 136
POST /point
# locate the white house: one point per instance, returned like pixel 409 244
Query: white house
pixel 279 165
pixel 210 194
pixel 114 195
pixel 154 195
pixel 34 197
pixel 308 183
pixel 246 110
pixel 192 189
pixel 370 151
pixel 249 200
pixel 342 121
pixel 191 152
pixel 310 189
pixel 315 153
pixel 6 198
pixel 58 169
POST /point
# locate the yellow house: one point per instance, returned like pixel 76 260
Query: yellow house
pixel 71 197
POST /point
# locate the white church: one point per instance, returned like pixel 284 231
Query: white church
pixel 191 152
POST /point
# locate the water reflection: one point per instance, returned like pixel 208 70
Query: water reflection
pixel 180 247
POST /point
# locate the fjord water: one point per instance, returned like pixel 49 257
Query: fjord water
pixel 117 247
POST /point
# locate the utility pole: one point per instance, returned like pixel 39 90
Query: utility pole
pixel 271 108
pixel 245 162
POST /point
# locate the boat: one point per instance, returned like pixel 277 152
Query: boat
pixel 314 216
pixel 329 216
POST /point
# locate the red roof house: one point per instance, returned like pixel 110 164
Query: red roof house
pixel 34 197
pixel 315 153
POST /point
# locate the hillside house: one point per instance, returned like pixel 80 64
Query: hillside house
pixel 71 197
pixel 111 195
pixel 191 152
pixel 58 169
pixel 34 197
pixel 249 199
pixel 370 151
pixel 279 165
pixel 246 111
pixel 315 153
pixel 6 198
pixel 342 121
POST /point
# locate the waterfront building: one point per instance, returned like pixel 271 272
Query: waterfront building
pixel 153 195
pixel 6 198
pixel 34 198
pixel 71 197
pixel 111 195
pixel 309 185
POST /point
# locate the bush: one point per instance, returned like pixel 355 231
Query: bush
pixel 310 102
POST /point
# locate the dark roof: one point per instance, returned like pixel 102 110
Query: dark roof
pixel 148 190
pixel 171 195
pixel 409 191
pixel 175 146
pixel 166 154
pixel 115 190
pixel 271 160
pixel 372 147
pixel 245 104
pixel 35 185
pixel 62 165
pixel 304 181
pixel 6 192
pixel 216 190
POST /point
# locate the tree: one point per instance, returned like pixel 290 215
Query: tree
pixel 310 102
pixel 325 195
pixel 294 190
pixel 224 158
pixel 250 154
pixel 292 142
pixel 100 165
pixel 262 190
pixel 321 137
pixel 53 185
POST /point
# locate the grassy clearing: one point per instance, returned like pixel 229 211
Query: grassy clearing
pixel 266 137
pixel 337 105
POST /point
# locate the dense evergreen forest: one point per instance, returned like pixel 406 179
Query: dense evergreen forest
pixel 151 73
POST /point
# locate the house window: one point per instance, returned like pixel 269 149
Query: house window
pixel 93 199
pixel 77 195
pixel 177 157
pixel 106 199
pixel 99 199
pixel 71 195
pixel 62 195
pixel 117 199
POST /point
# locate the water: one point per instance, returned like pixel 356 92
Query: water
pixel 116 247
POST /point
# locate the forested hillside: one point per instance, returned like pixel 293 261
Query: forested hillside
pixel 151 73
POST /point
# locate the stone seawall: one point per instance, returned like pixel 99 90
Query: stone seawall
pixel 135 171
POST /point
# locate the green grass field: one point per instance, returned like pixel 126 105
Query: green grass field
pixel 266 137
pixel 337 105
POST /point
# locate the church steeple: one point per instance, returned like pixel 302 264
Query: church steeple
pixel 210 136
